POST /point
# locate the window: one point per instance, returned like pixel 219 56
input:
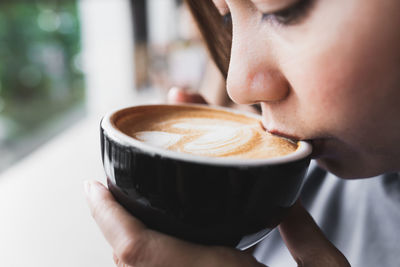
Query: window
pixel 60 60
pixel 41 78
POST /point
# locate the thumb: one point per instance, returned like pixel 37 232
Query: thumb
pixel 135 245
pixel 178 95
pixel 306 242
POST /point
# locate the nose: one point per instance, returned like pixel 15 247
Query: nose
pixel 254 75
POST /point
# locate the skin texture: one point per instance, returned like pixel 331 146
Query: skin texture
pixel 332 76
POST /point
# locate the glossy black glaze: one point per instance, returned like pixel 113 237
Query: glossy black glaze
pixel 232 206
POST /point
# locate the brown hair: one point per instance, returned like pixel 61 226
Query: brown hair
pixel 216 33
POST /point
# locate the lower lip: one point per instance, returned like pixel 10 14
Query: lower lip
pixel 318 144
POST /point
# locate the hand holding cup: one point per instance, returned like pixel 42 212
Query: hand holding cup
pixel 134 244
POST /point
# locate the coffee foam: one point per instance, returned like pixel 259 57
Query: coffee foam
pixel 159 139
pixel 205 132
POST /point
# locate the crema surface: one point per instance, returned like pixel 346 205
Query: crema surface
pixel 203 131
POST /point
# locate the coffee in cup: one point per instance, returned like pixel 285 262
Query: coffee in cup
pixel 203 131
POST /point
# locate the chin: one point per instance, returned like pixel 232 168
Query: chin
pixel 348 169
pixel 349 163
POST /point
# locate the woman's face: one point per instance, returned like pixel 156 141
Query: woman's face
pixel 325 71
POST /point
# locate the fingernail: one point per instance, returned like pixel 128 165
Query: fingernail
pixel 86 186
pixel 173 94
pixel 174 90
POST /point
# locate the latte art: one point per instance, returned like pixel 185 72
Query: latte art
pixel 159 139
pixel 207 137
pixel 206 132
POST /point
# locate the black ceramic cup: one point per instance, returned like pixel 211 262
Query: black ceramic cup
pixel 212 201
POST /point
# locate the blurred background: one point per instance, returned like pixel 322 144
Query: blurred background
pixel 42 85
pixel 60 60
pixel 63 64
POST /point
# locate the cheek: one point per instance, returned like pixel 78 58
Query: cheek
pixel 322 94
pixel 334 83
pixel 338 95
pixel 327 70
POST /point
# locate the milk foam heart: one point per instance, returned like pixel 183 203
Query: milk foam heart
pixel 157 138
pixel 205 132
pixel 207 137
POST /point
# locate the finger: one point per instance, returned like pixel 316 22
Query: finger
pixel 135 245
pixel 178 95
pixel 118 262
pixel 132 243
pixel 306 242
pixel 116 259
pixel 123 232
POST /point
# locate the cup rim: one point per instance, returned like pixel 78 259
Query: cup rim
pixel 303 150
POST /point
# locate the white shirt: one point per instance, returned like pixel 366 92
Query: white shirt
pixel 360 217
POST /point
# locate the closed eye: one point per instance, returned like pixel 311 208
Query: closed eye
pixel 286 16
pixel 289 15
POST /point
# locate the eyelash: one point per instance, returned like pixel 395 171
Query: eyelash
pixel 286 16
pixel 289 15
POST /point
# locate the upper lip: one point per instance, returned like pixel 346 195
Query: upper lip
pixel 275 131
pixel 280 133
